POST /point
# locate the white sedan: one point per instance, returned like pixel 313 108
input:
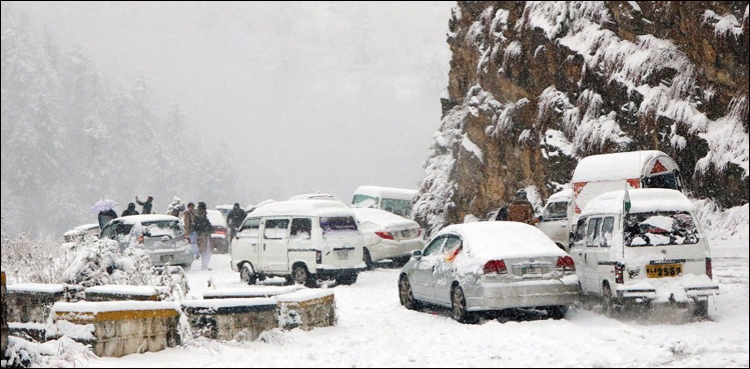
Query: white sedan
pixel 387 235
pixel 488 267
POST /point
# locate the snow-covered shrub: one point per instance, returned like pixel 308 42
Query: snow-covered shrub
pixel 60 353
pixel 32 260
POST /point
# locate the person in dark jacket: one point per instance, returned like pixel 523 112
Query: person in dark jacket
pixel 521 210
pixel 502 214
pixel 146 205
pixel 234 220
pixel 105 216
pixel 204 228
pixel 130 210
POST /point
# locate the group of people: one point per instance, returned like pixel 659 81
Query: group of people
pixel 106 215
pixel 519 210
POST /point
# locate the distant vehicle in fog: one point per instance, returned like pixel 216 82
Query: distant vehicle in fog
pixel 394 200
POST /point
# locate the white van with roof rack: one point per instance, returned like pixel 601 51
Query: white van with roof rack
pixel 643 246
pixel 300 240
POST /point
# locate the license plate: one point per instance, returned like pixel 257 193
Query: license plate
pixel 663 270
pixel 530 270
pixel 342 255
pixel 166 258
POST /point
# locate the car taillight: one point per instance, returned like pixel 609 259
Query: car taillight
pixel 619 268
pixel 318 257
pixel 565 264
pixel 385 235
pixel 495 266
pixel 709 268
pixel 220 231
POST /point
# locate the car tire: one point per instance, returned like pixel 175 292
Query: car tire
pixel 300 275
pixel 247 274
pixel 406 295
pixel 557 312
pixel 458 307
pixel 347 279
pixel 367 259
pixel 700 309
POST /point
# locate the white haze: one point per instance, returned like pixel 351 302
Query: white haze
pixel 308 96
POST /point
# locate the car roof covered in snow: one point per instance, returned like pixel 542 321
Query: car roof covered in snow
pixel 498 240
pixel 86 227
pixel 135 219
pixel 314 196
pixel 644 200
pixel 564 195
pixel 216 218
pixel 303 208
pixel 388 192
pixel 618 166
pixel 382 218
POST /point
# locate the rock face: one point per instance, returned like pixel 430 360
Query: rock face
pixel 536 86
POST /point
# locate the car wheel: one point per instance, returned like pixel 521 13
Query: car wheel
pixel 557 312
pixel 300 275
pixel 405 294
pixel 347 279
pixel 701 309
pixel 458 304
pixel 368 259
pixel 607 300
pixel 247 274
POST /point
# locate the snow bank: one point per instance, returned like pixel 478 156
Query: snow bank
pixel 217 304
pixel 254 291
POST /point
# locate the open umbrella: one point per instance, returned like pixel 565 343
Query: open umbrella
pixel 103 205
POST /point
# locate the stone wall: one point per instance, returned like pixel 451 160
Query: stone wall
pixel 122 328
pixel 31 302
pixel 231 319
pixel 307 310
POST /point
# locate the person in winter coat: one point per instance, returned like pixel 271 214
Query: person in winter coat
pixel 204 228
pixel 521 210
pixel 105 216
pixel 234 220
pixel 188 221
pixel 146 205
pixel 502 214
pixel 130 210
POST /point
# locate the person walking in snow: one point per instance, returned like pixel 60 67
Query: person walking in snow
pixel 130 210
pixel 146 205
pixel 204 228
pixel 105 216
pixel 521 210
pixel 188 221
pixel 235 218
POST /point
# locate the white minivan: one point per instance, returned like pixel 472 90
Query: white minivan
pixel 555 218
pixel 643 246
pixel 302 240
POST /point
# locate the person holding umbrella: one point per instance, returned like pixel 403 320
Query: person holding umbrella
pixel 104 207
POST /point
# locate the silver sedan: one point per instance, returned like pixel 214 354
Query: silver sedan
pixel 490 266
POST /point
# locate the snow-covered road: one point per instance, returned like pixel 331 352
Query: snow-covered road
pixel 374 330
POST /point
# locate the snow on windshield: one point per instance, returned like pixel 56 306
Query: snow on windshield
pixel 660 228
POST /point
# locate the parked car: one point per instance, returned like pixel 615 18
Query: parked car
pixel 219 241
pixel 395 200
pixel 555 218
pixel 224 209
pixel 79 233
pixel 387 235
pixel 485 267
pixel 160 236
pixel 643 246
pixel 301 240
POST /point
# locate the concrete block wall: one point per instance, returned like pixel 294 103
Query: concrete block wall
pixel 307 309
pixel 122 328
pixel 31 302
pixel 231 319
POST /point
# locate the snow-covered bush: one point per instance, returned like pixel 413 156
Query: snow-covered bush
pixel 32 260
pixel 60 353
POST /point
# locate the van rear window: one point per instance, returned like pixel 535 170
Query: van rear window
pixel 660 229
pixel 338 224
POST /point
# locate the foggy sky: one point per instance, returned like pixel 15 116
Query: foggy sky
pixel 309 97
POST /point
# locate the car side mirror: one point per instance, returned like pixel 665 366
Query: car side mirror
pixel 416 254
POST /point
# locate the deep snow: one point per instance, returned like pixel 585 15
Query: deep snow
pixel 374 330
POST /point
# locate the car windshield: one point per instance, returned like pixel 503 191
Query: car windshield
pixel 556 210
pixel 161 228
pixel 364 201
pixel 660 229
pixel 668 180
pixel 338 224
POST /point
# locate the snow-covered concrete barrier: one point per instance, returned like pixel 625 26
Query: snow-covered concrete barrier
pixel 250 292
pixel 241 319
pixel 30 302
pixel 121 293
pixel 120 328
pixel 307 309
